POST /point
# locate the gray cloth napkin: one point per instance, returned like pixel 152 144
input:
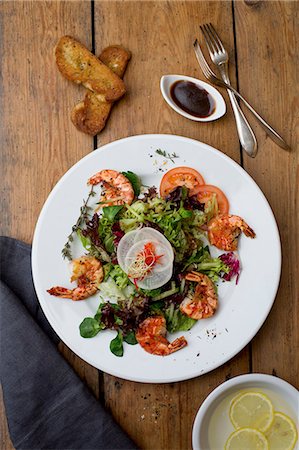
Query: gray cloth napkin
pixel 47 405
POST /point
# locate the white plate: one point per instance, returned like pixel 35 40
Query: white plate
pixel 212 425
pixel 242 308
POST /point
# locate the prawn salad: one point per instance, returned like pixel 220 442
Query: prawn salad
pixel 147 255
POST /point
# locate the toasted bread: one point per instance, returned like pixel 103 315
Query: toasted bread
pixel 116 58
pixel 90 116
pixel 78 64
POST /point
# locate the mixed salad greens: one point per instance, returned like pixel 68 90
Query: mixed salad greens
pixel 180 214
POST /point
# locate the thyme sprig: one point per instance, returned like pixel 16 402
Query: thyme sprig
pixel 167 155
pixel 82 219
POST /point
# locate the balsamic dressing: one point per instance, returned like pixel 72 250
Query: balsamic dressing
pixel 192 99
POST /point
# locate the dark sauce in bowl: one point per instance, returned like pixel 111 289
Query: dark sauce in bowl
pixel 192 99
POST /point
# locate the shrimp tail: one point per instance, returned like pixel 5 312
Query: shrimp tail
pixel 59 291
pixel 177 344
pixel 95 179
pixel 248 231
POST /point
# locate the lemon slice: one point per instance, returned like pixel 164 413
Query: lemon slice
pixel 246 438
pixel 251 409
pixel 282 433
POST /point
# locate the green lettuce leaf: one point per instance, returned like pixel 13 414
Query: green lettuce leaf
pixel 176 321
pixel 110 212
pixel 90 327
pixel 134 180
pixel 201 261
pixel 116 345
pixel 93 250
pixel 130 338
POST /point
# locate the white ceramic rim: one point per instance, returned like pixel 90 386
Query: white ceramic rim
pixel 220 109
pixel 171 378
pixel 251 377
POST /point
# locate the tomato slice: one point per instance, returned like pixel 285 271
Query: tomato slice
pixel 181 176
pixel 205 192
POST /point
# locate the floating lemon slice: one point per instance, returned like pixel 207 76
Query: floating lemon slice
pixel 282 433
pixel 251 409
pixel 246 438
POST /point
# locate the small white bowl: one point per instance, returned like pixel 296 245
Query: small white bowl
pixel 220 107
pixel 212 426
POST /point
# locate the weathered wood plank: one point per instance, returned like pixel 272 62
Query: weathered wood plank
pixel 160 416
pixel 39 142
pixel 267 49
pixel 160 36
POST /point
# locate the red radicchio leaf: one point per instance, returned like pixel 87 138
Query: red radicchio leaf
pixel 117 233
pixel 231 260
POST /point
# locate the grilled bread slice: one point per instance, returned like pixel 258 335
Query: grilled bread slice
pixel 116 58
pixel 90 115
pixel 78 64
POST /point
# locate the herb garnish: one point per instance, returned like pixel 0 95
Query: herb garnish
pixel 82 219
pixel 167 155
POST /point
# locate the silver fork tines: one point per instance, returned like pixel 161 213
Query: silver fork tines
pixel 219 56
pixel 210 75
pixel 207 71
pixel 214 43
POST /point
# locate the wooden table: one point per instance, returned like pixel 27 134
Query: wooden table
pixel 39 143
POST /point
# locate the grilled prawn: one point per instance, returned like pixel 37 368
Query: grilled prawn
pixel 88 272
pixel 117 189
pixel 203 303
pixel 224 230
pixel 151 336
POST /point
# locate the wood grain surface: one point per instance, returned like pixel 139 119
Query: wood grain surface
pixel 268 74
pixel 39 143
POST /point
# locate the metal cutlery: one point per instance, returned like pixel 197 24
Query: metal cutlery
pixel 210 75
pixel 219 57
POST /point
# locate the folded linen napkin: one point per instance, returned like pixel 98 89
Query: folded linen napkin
pixel 47 405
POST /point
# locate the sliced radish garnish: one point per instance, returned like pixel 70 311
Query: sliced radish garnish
pixel 147 257
pixel 124 245
pixel 164 261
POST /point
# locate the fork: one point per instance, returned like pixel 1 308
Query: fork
pixel 219 57
pixel 210 75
